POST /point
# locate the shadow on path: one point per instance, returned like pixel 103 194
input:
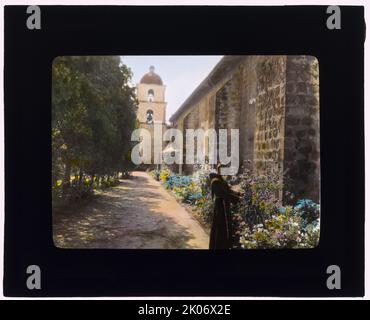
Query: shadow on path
pixel 137 214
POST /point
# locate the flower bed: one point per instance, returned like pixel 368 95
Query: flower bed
pixel 193 191
pixel 260 221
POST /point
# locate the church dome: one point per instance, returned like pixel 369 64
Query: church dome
pixel 151 77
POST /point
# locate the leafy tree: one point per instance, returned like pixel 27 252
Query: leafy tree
pixel 93 115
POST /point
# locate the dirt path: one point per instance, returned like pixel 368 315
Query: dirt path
pixel 137 214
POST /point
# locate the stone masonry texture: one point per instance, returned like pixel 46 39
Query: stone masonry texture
pixel 274 102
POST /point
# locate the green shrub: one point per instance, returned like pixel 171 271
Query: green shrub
pixel 164 175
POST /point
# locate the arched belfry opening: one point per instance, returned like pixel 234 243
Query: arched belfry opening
pixel 149 116
pixel 150 95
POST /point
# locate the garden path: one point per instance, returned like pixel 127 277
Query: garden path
pixel 137 214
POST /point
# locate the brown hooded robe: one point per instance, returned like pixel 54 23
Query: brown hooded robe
pixel 221 228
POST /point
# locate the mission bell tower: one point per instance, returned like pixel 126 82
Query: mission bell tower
pixel 151 96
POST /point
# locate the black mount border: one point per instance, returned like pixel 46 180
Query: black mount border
pixel 124 30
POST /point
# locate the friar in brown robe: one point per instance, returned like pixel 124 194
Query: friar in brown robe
pixel 221 227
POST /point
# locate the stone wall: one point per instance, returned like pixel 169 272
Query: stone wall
pixel 191 121
pixel 228 104
pixel 274 101
pixel 270 115
pixel 201 114
pixel 248 112
pixel 302 132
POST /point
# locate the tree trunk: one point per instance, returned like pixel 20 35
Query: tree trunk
pixel 92 180
pixel 67 176
pixel 81 174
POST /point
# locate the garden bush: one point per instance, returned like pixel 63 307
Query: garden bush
pixel 285 230
pixel 165 173
pixel 260 221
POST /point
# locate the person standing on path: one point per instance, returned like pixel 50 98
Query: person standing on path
pixel 221 227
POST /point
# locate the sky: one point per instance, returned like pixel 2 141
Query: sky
pixel 180 74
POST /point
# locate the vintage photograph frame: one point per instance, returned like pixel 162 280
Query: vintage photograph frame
pixel 185 30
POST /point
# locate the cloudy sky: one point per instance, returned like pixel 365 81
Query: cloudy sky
pixel 180 74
